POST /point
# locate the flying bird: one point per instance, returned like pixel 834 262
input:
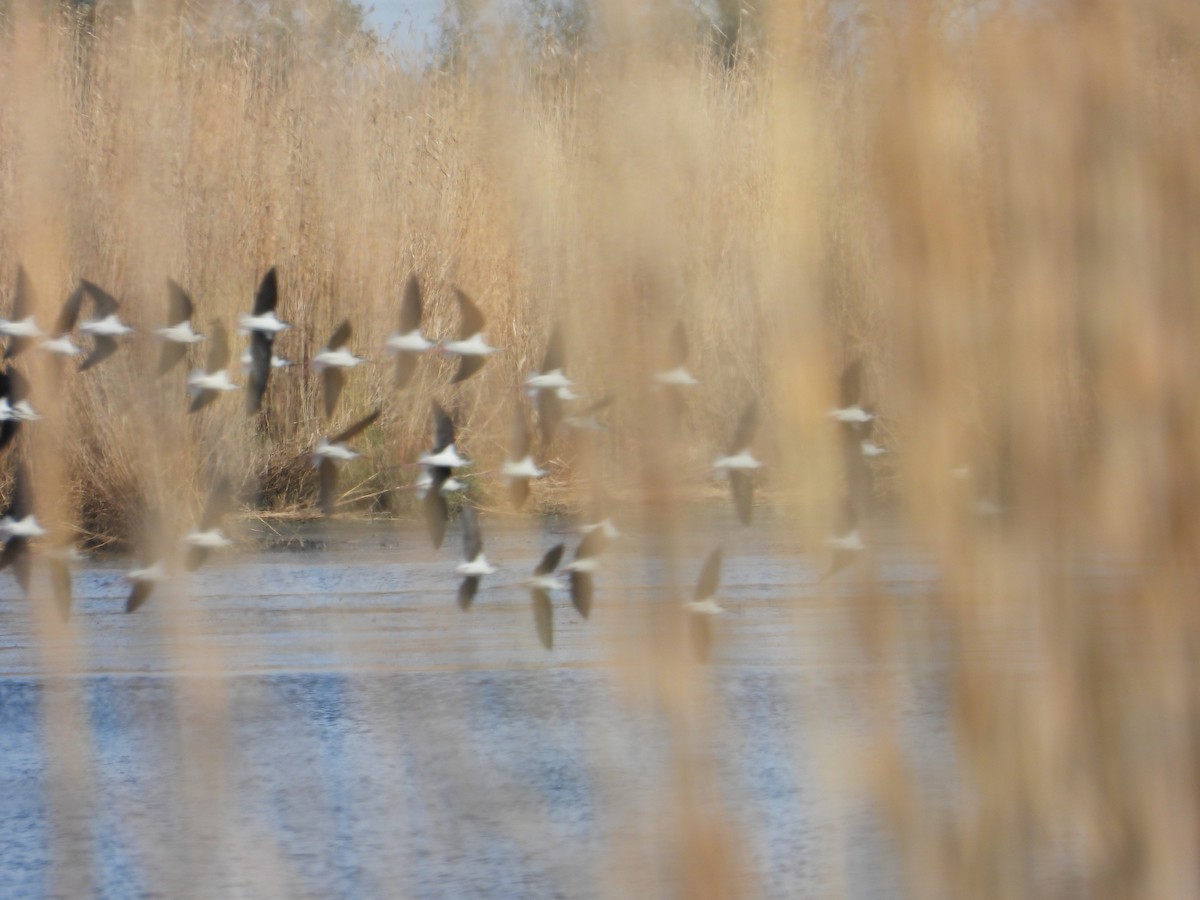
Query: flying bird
pixel 846 543
pixel 676 374
pixel 550 387
pixel 333 358
pixel 849 408
pixel 470 346
pixel 105 327
pixel 475 564
pixel 18 526
pixel 739 462
pixel 439 466
pixel 262 325
pixel 208 536
pixel 703 606
pixel 21 328
pixel 583 567
pixel 329 452
pixel 206 384
pixel 14 408
pixel 151 555
pixel 540 586
pixel 60 342
pixel 408 343
pixel 519 468
pixel 178 333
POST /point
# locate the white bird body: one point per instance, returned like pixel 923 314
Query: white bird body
pixel 605 525
pixel 21 411
pixel 679 377
pixel 109 326
pixel 409 342
pixel 326 450
pixel 425 481
pixel 447 458
pixel 267 323
pixel 154 573
pixel 855 414
pixel 27 527
pixel 25 327
pixel 743 460
pixel 477 566
pixel 211 539
pixel 200 380
pixel 475 345
pixel 852 540
pixel 341 358
pixel 582 564
pixel 706 607
pixel 180 333
pixel 277 362
pixel 870 449
pixel 546 582
pixel 61 345
pixel 525 468
pixel 554 380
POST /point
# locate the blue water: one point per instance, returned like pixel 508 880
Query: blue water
pixel 327 723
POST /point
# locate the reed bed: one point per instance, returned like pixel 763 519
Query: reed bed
pixel 993 206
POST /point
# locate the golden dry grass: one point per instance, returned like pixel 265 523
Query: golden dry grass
pixel 995 210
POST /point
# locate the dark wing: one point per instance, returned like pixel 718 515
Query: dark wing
pixel 103 347
pixel 743 435
pixel 467 366
pixel 261 348
pixel 518 491
pixel 60 581
pixel 358 427
pixel 710 576
pixel 550 413
pixel 8 431
pixel 340 337
pixel 555 355
pixel 847 518
pixel 443 429
pixel 21 503
pixel 16 554
pixel 218 351
pixel 436 514
pixel 69 314
pixel 201 399
pixel 678 352
pixel 550 560
pixel 593 544
pixel 22 307
pixel 268 293
pixel 103 303
pixel 195 557
pixel 220 501
pixel 410 307
pixel 327 474
pixel 472 536
pixel 742 487
pixel 139 593
pixel 850 386
pixel 406 367
pixel 543 617
pixel 332 381
pixel 18 387
pixel 172 353
pixel 179 304
pixel 581 592
pixel 472 321
pixel 467 591
pixel 701 632
pixel 518 435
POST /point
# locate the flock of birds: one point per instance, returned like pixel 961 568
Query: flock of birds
pixel 549 388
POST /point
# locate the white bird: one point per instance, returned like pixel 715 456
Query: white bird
pixel 21 328
pixel 739 462
pixel 18 526
pixel 550 387
pixel 247 361
pixel 519 468
pixel 676 375
pixel 444 454
pixel 208 536
pixel 703 606
pixel 475 564
pixel 846 543
pixel 329 363
pixel 105 327
pixel 177 335
pixel 849 407
pixel 14 408
pixel 581 569
pixel 470 345
pixel 329 452
pixel 540 585
pixel 263 326
pixel 60 341
pixel 439 466
pixel 408 343
pixel 150 552
pixel 206 384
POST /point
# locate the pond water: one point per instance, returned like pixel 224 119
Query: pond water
pixel 316 717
